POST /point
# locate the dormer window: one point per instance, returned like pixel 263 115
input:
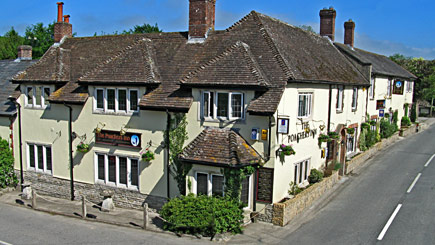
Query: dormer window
pixel 222 105
pixel 116 100
pixel 37 96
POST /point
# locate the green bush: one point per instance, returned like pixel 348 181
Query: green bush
pixel 203 215
pixel 387 128
pixel 413 113
pixel 315 176
pixel 405 121
pixel 294 189
pixel 7 174
pixel 362 139
pixel 371 138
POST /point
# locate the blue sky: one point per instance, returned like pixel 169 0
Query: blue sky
pixel 382 26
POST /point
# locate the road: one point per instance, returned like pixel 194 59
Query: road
pixel 391 201
pixel 23 226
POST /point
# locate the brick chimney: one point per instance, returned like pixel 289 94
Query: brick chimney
pixel 201 17
pixel 349 32
pixel 327 22
pixel 62 27
pixel 25 52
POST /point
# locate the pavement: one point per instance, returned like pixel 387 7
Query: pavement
pixel 254 233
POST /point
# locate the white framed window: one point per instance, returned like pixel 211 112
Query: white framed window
pixel 389 88
pixel 409 86
pixel 222 105
pixel 39 158
pixel 305 104
pixel 37 96
pixel 246 192
pixel 372 88
pixel 119 171
pixel 340 95
pixel 116 100
pixel 351 142
pixel 354 99
pixel 301 172
pixel 209 184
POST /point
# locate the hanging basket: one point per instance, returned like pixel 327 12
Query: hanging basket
pixel 148 156
pixel 83 148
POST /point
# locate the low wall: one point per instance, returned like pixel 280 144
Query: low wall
pixel 284 212
pixel 46 184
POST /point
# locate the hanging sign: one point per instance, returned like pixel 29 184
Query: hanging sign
pixel 381 113
pixel 283 125
pixel 115 138
pixel 254 133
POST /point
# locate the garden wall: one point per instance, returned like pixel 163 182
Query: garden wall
pixel 284 212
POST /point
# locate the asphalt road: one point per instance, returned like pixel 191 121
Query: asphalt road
pixel 24 226
pixel 363 207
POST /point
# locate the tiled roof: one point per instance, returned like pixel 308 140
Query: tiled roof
pixel 220 147
pixel 256 53
pixel 9 68
pixel 381 65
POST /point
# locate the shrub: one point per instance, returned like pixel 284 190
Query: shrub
pixel 362 140
pixel 371 138
pixel 387 128
pixel 413 113
pixel 7 174
pixel 294 189
pixel 405 121
pixel 315 176
pixel 203 215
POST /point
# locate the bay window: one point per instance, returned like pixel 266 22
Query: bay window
pixel 37 96
pixel 120 171
pixel 119 100
pixel 222 105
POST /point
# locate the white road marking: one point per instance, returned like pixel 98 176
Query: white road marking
pixel 428 161
pixel 382 234
pixel 413 183
pixel 4 243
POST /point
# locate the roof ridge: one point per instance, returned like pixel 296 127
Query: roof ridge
pixel 239 22
pixel 234 153
pixel 115 57
pixel 43 58
pixel 255 69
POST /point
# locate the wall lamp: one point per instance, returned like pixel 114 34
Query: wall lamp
pixel 100 126
pixel 123 130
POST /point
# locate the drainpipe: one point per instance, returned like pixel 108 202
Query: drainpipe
pixel 70 133
pixel 168 128
pixel 14 100
pixel 329 108
pixel 270 136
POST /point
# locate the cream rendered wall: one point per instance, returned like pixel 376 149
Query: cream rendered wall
pixel 306 148
pixel 50 126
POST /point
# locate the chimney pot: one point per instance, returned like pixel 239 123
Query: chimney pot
pixel 25 52
pixel 327 22
pixel 59 11
pixel 201 17
pixel 66 18
pixel 349 32
pixel 62 27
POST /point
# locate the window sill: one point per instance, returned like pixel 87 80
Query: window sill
pixel 114 113
pixel 236 120
pixel 339 111
pixel 40 171
pixel 36 107
pixel 111 184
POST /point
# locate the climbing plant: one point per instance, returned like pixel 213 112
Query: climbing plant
pixel 177 137
pixel 233 180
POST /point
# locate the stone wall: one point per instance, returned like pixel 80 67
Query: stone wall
pixel 46 184
pixel 267 214
pixel 284 212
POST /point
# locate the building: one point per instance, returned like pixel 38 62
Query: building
pixel 247 93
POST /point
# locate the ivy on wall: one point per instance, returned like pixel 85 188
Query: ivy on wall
pixel 233 180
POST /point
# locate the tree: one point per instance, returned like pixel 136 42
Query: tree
pixel 7 174
pixel 9 44
pixel 307 28
pixel 145 28
pixel 40 38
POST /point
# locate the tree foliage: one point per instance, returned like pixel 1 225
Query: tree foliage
pixel 7 174
pixel 9 44
pixel 145 28
pixel 40 37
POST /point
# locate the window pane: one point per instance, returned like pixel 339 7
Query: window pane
pixel 206 105
pixel 32 155
pixel 296 174
pixel 236 105
pixel 133 100
pixel 217 185
pixel 301 106
pixel 111 99
pixel 100 99
pixel 123 170
pixel 354 97
pixel 38 95
pixel 300 172
pixel 101 174
pixel 40 158
pixel 112 169
pixel 134 172
pixel 222 106
pixel 244 197
pixel 201 184
pixel 211 105
pixel 122 100
pixel 307 171
pixel 48 158
pixel 46 95
pixel 30 95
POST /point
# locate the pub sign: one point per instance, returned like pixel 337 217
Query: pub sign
pixel 116 139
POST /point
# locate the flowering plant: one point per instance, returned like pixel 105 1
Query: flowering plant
pixel 83 147
pixel 286 150
pixel 148 155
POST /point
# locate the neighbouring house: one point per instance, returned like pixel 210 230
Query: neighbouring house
pixel 256 94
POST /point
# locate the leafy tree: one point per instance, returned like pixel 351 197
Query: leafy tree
pixel 9 44
pixel 7 174
pixel 40 38
pixel 307 28
pixel 145 28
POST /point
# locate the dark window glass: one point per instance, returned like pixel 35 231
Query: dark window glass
pixel 134 172
pixel 40 157
pixel 32 155
pixel 30 95
pixel 48 158
pixel 206 106
pixel 296 174
pixel 122 100
pixel 306 170
pixel 222 106
pixel 133 100
pixel 217 185
pixel 201 184
pixel 300 172
pixel 112 169
pixel 46 95
pixel 244 197
pixel 211 104
pixel 100 99
pixel 101 174
pixel 236 105
pixel 38 95
pixel 111 99
pixel 123 170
